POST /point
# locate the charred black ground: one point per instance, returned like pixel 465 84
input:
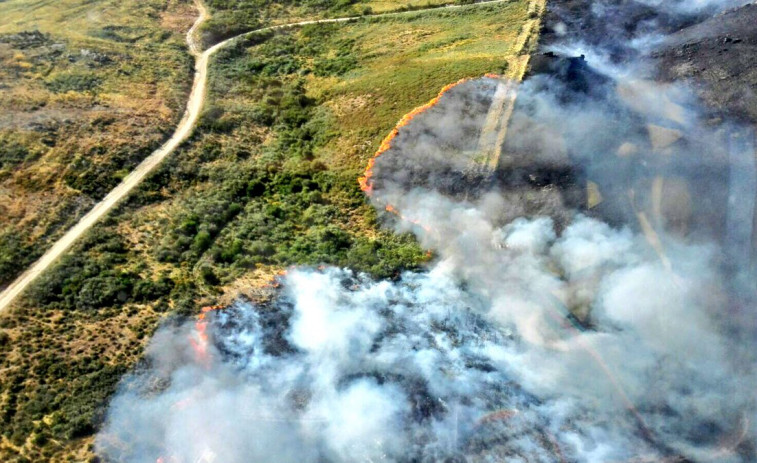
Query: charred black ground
pixel 711 50
pixel 719 56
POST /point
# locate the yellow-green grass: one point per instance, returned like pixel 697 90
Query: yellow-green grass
pixel 384 6
pixel 97 86
pixel 411 57
pixel 77 19
pixel 404 61
pixel 230 17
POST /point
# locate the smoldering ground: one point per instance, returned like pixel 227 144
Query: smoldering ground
pixel 470 361
pixel 441 149
pixel 623 332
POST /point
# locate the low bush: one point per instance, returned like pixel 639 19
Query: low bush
pixel 73 82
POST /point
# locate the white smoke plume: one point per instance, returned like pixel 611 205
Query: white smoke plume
pixel 472 360
pixel 539 333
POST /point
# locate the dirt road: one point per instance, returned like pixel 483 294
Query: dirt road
pixel 184 129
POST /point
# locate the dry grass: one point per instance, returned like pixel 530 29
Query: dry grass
pixel 437 48
pixel 86 99
pixel 383 6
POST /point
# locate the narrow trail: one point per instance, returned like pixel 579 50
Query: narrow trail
pixel 182 132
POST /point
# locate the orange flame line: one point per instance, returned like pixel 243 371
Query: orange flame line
pixel 365 181
pixel 393 210
pixel 275 281
pixel 200 343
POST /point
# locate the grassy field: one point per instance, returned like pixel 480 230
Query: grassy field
pixel 268 180
pixel 87 89
pixel 229 17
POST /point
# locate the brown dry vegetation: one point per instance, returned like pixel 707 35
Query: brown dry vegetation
pixel 229 17
pixel 87 90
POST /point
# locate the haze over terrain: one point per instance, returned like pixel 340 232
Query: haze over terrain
pixel 550 259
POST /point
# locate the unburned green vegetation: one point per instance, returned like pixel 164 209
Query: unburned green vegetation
pixel 230 17
pixel 268 180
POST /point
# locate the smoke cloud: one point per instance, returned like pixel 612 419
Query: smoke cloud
pixel 591 299
pixel 469 362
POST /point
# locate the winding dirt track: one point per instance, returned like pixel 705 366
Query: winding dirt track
pixel 184 129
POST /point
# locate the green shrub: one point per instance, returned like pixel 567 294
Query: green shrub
pixel 202 241
pixel 103 291
pixel 208 275
pixel 13 153
pixel 73 82
pixel 14 256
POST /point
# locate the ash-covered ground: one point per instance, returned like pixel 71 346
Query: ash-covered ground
pixel 440 148
pixel 718 56
pixel 654 113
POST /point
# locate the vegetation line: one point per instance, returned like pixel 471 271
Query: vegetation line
pixel 183 130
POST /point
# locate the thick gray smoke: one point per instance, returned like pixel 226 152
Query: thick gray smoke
pixel 656 367
pixel 591 300
pixel 474 360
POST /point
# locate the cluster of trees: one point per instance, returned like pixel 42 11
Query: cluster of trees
pixel 94 278
pixel 74 414
pixel 281 206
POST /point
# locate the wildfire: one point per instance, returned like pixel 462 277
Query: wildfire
pixel 210 308
pixel 393 210
pixel 200 340
pixel 365 181
pixel 498 415
pixel 275 280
